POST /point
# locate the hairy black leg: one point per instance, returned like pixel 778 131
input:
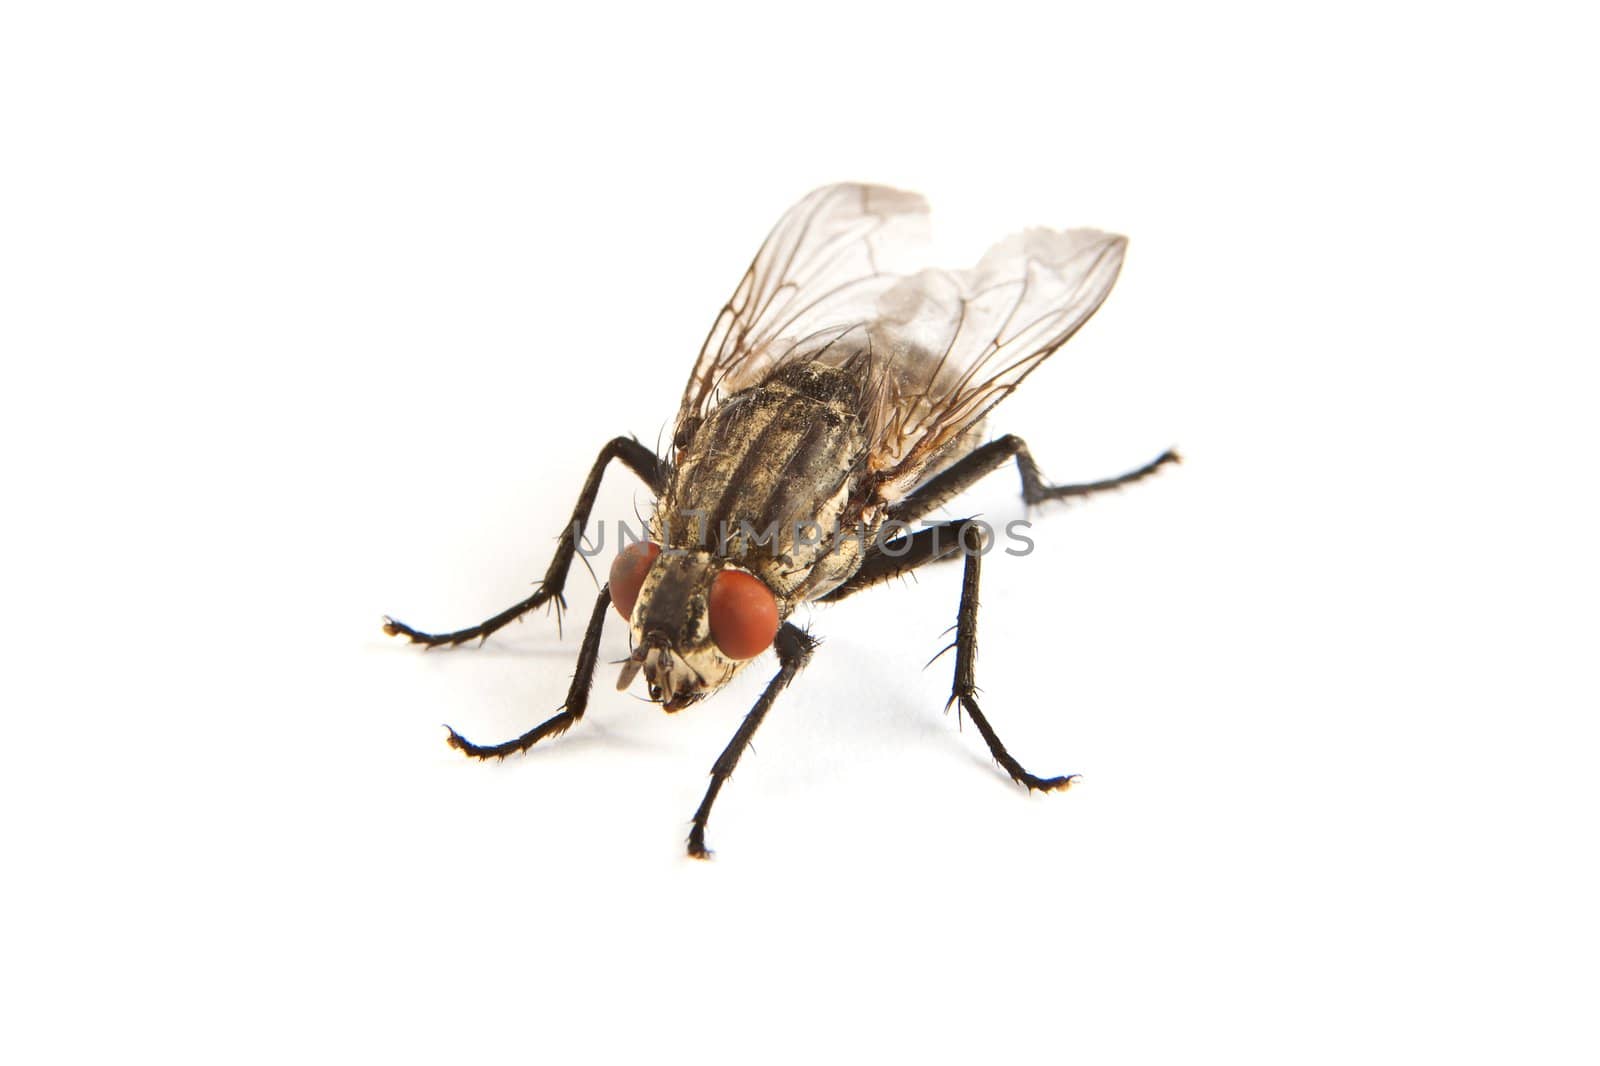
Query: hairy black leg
pixel 577 696
pixel 902 555
pixel 965 688
pixel 640 460
pixel 944 486
pixel 794 647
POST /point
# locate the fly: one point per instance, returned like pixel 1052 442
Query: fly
pixel 840 397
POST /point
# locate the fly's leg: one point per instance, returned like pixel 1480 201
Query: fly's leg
pixel 636 457
pixel 931 545
pixel 943 487
pixel 885 560
pixel 902 555
pixel 965 689
pixel 794 647
pixel 577 696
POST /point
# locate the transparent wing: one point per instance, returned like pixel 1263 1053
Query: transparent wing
pixel 937 349
pixel 820 273
pixel 949 345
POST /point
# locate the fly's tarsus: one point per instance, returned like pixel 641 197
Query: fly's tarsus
pixel 965 688
pixel 1010 765
pixel 551 727
pixel 794 647
pixel 636 457
pixel 1035 490
pixel 577 695
pixel 983 460
pixel 480 632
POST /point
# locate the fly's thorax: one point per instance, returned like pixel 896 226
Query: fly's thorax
pixel 838 557
pixel 770 479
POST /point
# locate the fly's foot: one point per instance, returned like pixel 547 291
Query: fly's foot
pixel 1035 490
pixel 476 751
pixel 1046 784
pixel 395 628
pixel 544 593
pixel 1031 782
pixel 554 726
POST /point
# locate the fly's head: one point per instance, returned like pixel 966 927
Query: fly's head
pixel 696 619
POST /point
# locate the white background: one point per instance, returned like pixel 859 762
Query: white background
pixel 313 312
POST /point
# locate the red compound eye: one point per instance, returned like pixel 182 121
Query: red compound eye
pixel 744 615
pixel 627 575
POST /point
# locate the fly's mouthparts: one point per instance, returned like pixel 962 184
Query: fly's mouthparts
pixel 630 670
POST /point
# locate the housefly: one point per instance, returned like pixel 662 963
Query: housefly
pixel 839 398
